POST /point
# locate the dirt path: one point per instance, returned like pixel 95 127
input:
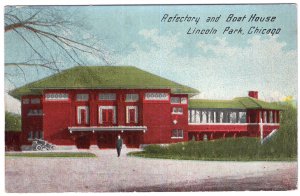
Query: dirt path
pixel 106 172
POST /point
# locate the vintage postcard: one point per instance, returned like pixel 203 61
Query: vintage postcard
pixel 150 98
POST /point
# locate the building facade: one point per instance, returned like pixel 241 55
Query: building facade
pixel 86 106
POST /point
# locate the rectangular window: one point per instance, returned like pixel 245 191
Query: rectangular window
pixel 177 134
pixel 131 114
pixel 107 115
pixel 197 116
pixel 271 116
pixel 107 96
pixel 83 115
pixel 36 135
pixel 194 116
pixel 25 101
pixel 41 135
pixel 82 97
pixel 183 100
pixel 242 117
pixel 204 118
pixel 57 96
pixel 177 110
pixel 178 100
pixel 265 117
pixel 232 117
pixel 35 101
pixel 175 100
pixel 35 112
pixel 132 97
pixel 29 136
pixel 157 96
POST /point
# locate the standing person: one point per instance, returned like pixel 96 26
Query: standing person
pixel 119 145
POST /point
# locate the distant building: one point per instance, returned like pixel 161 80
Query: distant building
pixel 86 106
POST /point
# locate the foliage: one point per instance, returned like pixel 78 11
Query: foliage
pixel 283 146
pixel 52 154
pixel 12 122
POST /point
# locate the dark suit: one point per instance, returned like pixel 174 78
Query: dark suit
pixel 119 146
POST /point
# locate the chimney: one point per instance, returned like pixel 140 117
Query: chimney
pixel 253 94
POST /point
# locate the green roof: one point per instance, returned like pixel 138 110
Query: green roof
pixel 102 77
pixel 252 103
pixel 237 103
pixel 215 104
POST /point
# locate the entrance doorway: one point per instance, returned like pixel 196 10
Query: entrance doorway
pixel 108 139
pixel 82 142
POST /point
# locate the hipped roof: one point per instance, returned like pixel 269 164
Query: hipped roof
pixel 237 103
pixel 102 77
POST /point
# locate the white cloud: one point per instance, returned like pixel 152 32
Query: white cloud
pixel 220 70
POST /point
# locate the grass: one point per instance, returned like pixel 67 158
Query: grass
pixel 52 154
pixel 240 149
pixel 281 147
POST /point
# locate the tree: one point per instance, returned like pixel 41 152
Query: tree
pixel 12 121
pixel 52 36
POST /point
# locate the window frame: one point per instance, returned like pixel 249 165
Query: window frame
pixel 172 100
pixel 177 135
pixel 108 98
pixel 100 118
pixel 39 112
pixel 78 114
pixel 26 101
pixel 156 96
pixel 35 101
pixel 56 96
pixel 30 135
pixel 128 108
pixel 131 95
pixel 79 97
pixel 177 112
pixel 183 100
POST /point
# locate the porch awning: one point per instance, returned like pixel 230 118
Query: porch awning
pixel 109 128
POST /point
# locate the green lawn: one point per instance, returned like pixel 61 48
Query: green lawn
pixel 281 147
pixel 51 154
pixel 240 149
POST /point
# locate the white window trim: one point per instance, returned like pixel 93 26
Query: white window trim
pixel 110 99
pixel 176 137
pixel 157 98
pixel 81 95
pixel 105 108
pixel 35 101
pixel 132 100
pixel 135 113
pixel 172 137
pixel 65 97
pixel 178 113
pixel 183 100
pixel 176 98
pixel 39 112
pixel 86 108
pixel 26 101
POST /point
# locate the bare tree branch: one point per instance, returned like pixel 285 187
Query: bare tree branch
pixel 52 28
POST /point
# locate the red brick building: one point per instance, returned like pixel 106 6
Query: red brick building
pixel 86 106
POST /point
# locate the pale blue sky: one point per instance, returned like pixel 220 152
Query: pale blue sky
pixel 220 66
